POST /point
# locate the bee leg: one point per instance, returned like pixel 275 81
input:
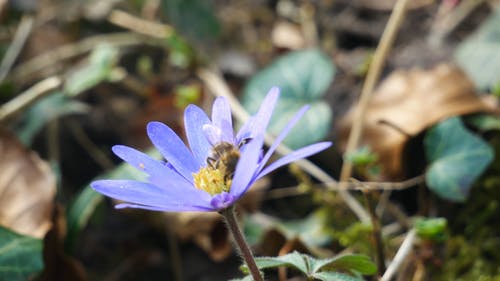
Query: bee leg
pixel 212 162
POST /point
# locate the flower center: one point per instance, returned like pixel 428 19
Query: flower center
pixel 211 180
pixel 217 176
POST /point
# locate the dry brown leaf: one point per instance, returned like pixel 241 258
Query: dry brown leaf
pixel 387 5
pixel 287 36
pixel 27 188
pixel 405 104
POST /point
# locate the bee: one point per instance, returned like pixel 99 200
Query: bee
pixel 224 158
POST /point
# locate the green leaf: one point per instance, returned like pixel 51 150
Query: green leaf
pixel 431 228
pixel 294 260
pixel 311 229
pixel 484 122
pixel 303 76
pixel 335 276
pixel 479 55
pixel 45 110
pixel 20 256
pixel 195 19
pixel 457 159
pixel 362 157
pixel 100 68
pixel 348 263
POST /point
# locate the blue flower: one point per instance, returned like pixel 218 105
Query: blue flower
pixel 216 169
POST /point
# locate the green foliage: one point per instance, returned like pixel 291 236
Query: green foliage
pixel 356 236
pixel 303 77
pixel 457 158
pixel 181 53
pixel 194 19
pixel 479 55
pixel 342 267
pixel 20 256
pixel 186 94
pixel 364 161
pixel 431 228
pixel 100 68
pixel 45 110
pixel 484 122
pixel 311 229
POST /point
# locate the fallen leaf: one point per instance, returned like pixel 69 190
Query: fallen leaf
pixel 27 188
pixel 407 103
pixel 387 5
pixel 288 36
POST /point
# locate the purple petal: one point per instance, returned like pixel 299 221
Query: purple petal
pixel 282 135
pixel 212 133
pixel 142 193
pixel 194 119
pixel 247 166
pixel 160 173
pixel 244 132
pixel 297 154
pixel 221 118
pixel 222 201
pixel 262 117
pixel 176 208
pixel 173 149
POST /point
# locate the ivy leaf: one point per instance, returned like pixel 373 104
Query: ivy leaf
pixel 303 76
pixel 347 263
pixel 335 276
pixel 20 256
pixel 193 18
pixel 479 55
pixel 457 159
pixel 294 260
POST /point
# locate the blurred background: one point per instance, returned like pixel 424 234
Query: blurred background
pixel 77 77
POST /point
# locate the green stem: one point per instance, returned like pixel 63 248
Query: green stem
pixel 230 217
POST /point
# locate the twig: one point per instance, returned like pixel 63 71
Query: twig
pixel 376 231
pixel 400 256
pixel 22 33
pixel 444 24
pixel 93 150
pixel 29 96
pixel 64 52
pixel 218 87
pixel 139 25
pixel 336 186
pixel 372 77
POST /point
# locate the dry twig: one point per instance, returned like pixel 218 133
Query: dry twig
pixel 22 33
pixel 29 96
pixel 372 77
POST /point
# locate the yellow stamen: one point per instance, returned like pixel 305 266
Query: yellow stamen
pixel 211 180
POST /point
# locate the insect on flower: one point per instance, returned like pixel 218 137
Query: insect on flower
pixel 214 172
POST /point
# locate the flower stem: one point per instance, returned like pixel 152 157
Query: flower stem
pixel 230 217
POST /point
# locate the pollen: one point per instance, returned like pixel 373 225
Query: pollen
pixel 211 180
